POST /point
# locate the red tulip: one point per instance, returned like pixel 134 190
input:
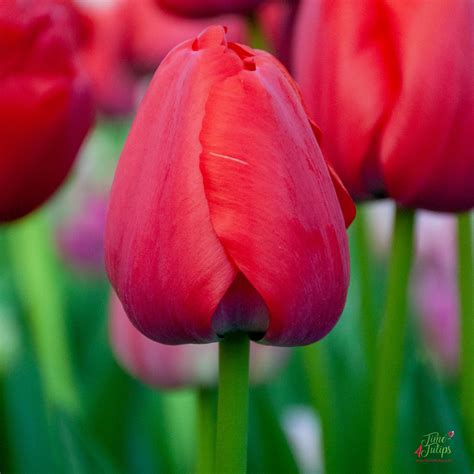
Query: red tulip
pixel 207 7
pixel 190 365
pixel 223 215
pixel 391 85
pixel 45 103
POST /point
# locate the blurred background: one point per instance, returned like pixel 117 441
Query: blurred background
pixel 309 412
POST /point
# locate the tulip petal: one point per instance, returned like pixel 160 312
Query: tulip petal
pixel 427 153
pixel 272 202
pixel 162 253
pixel 345 201
pixel 347 205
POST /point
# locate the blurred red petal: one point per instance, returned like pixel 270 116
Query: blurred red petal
pixel 427 148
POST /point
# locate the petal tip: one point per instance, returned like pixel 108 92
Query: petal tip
pixel 211 37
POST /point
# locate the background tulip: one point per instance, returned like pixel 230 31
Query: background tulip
pixel 223 216
pixel 276 19
pixel 362 67
pixel 207 7
pixel 45 103
pixel 129 38
pixel 153 32
pixel 171 367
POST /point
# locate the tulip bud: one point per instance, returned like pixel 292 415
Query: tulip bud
pixel 170 367
pixel 363 67
pixel 207 7
pixel 45 103
pixel 223 216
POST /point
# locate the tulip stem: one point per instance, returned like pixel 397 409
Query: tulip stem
pixel 389 363
pixel 320 389
pixel 205 433
pixel 232 407
pixel 32 258
pixel 367 316
pixel 466 307
pixel 4 441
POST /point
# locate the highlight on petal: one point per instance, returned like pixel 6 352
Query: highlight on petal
pixel 272 202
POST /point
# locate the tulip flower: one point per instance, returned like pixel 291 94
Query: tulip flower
pixel 46 107
pixel 172 367
pixel 207 7
pixel 363 67
pixel 224 217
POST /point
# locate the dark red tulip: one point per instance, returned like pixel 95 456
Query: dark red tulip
pixel 190 365
pixel 45 103
pixel 223 215
pixel 207 7
pixel 391 85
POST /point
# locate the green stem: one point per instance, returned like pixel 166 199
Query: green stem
pixel 4 441
pixel 388 370
pixel 318 376
pixel 466 305
pixel 232 408
pixel 32 258
pixel 367 316
pixel 205 433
